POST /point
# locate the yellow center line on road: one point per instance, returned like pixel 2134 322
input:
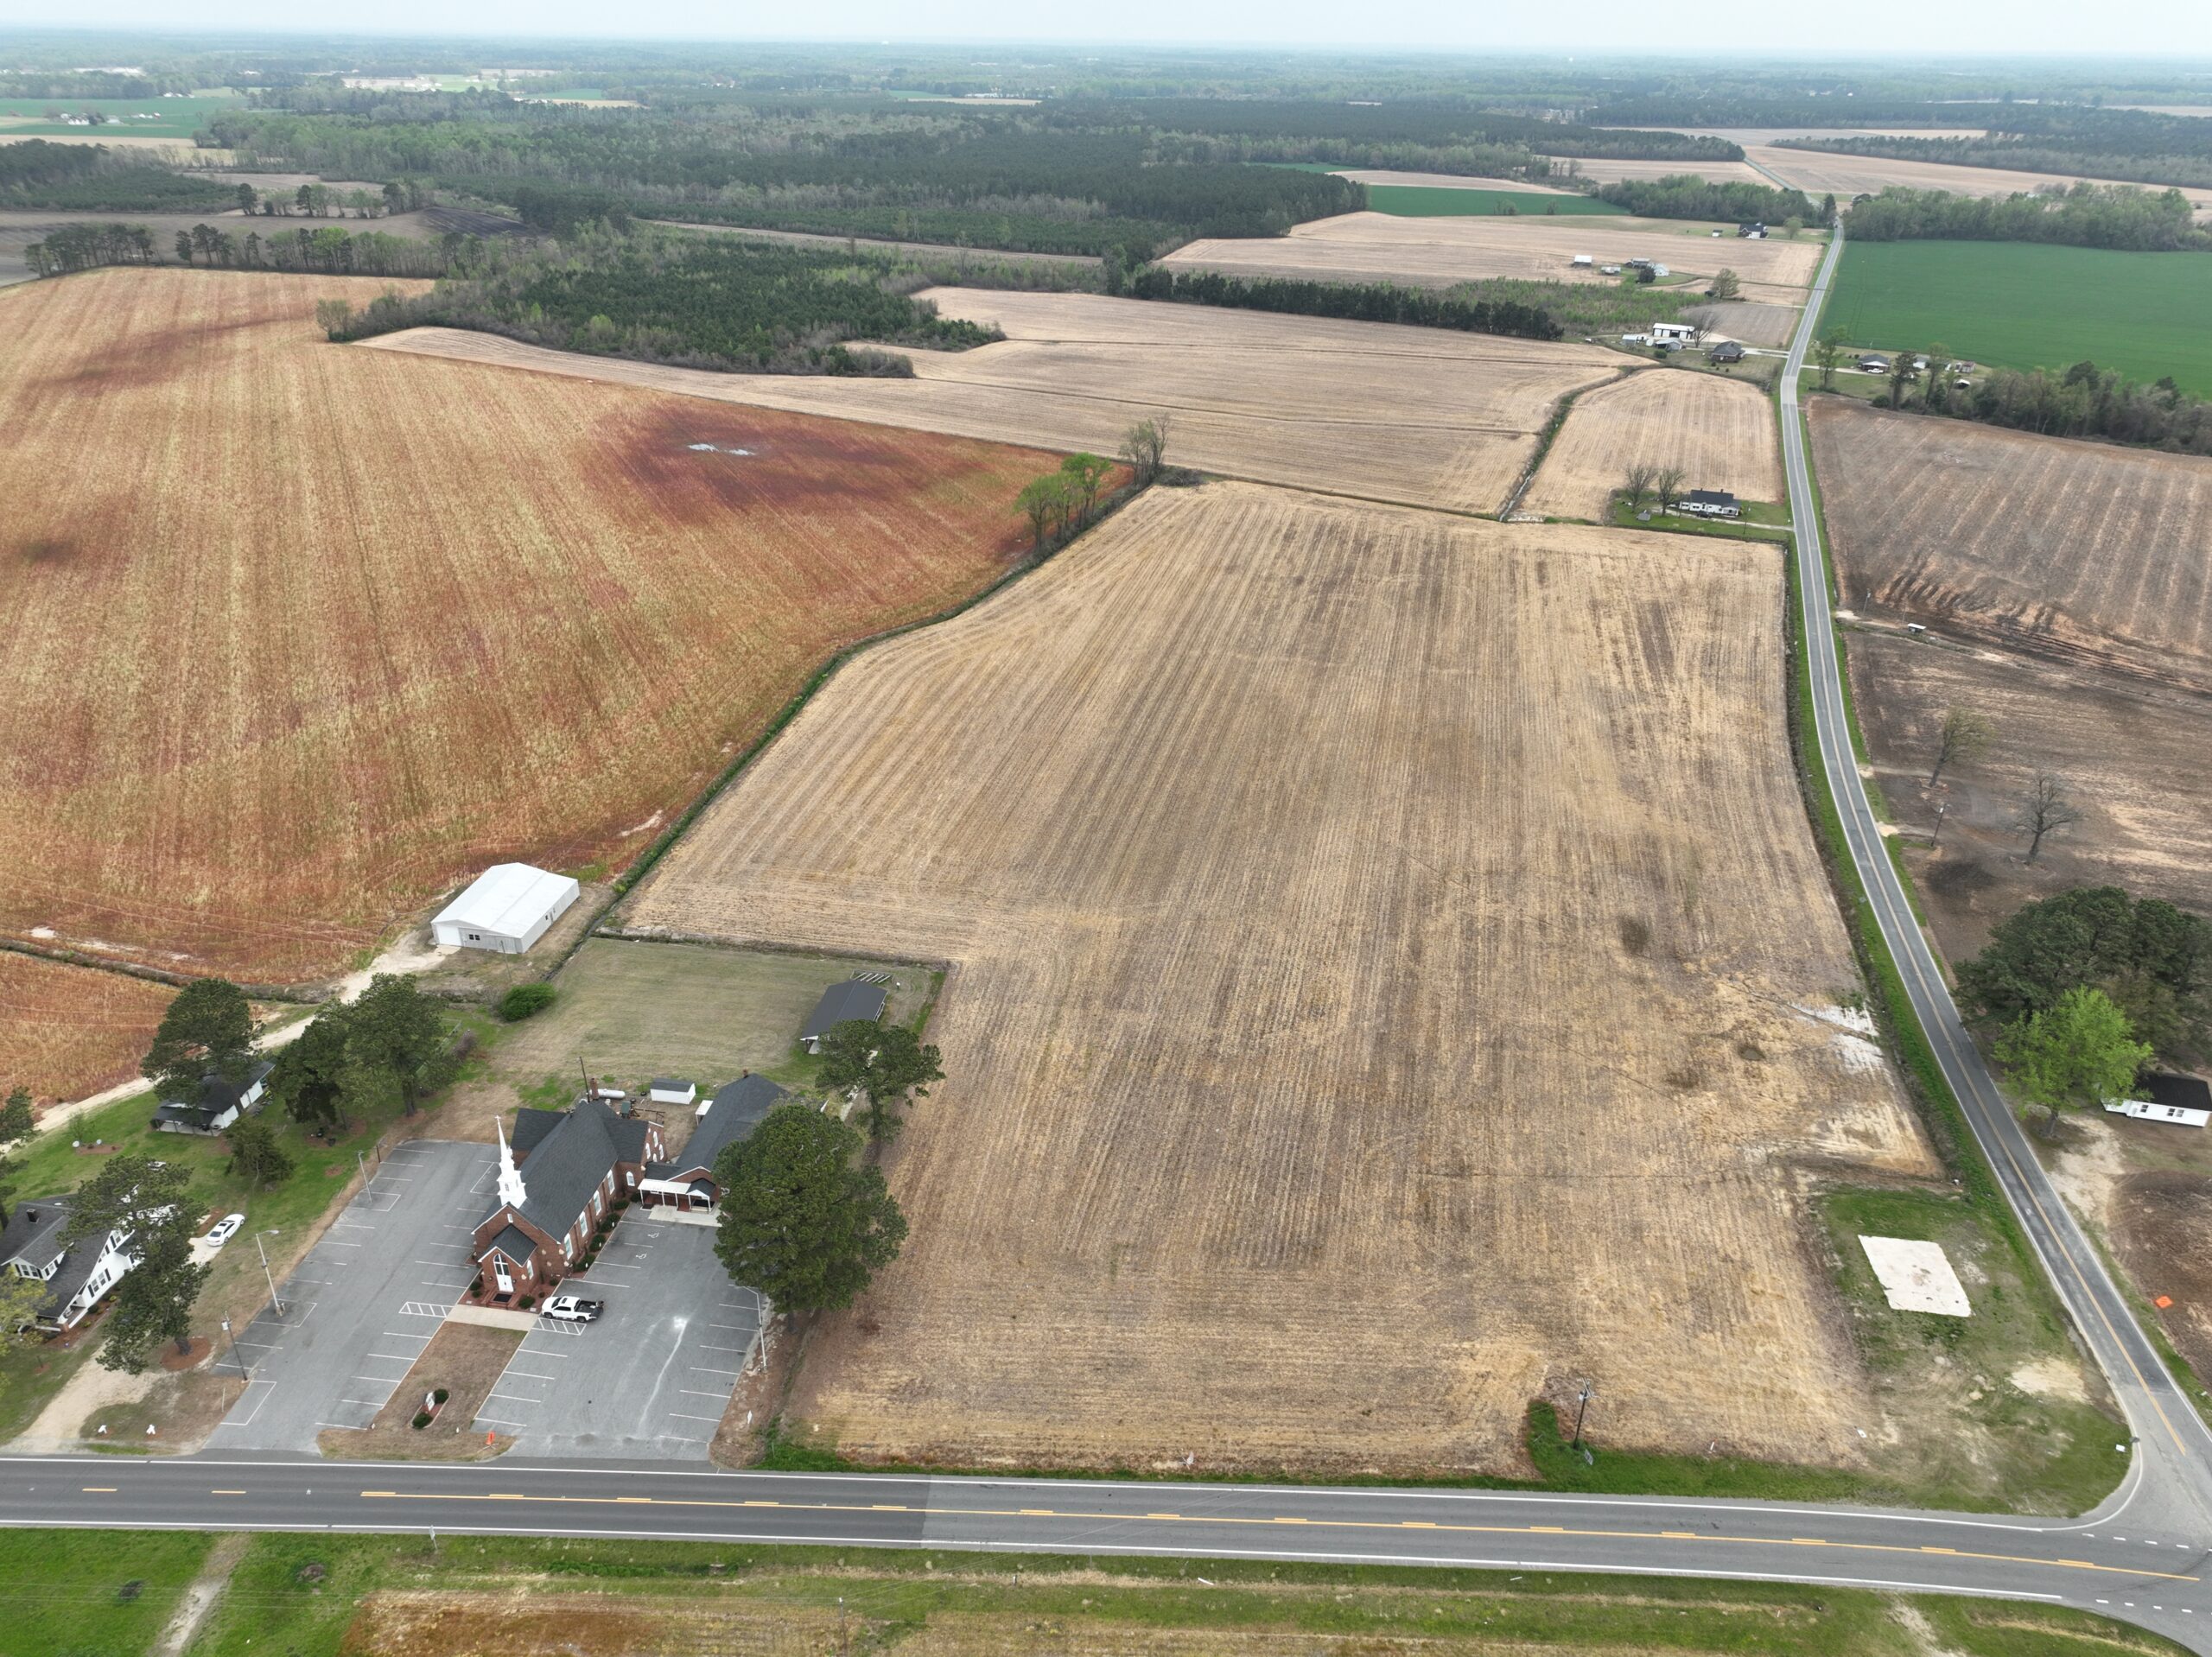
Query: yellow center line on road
pixel 1091 1517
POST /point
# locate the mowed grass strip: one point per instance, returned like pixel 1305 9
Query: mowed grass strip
pixel 2027 306
pixel 311 1595
pixel 1416 201
pixel 304 634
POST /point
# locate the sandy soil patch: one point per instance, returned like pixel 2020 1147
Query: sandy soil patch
pixel 2084 552
pixel 1721 433
pixel 422 599
pixel 1438 252
pixel 1818 173
pixel 1308 870
pixel 1422 415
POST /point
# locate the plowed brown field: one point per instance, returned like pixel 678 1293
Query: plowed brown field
pixel 1720 432
pixel 300 635
pixel 1437 252
pixel 1820 173
pixel 1377 938
pixel 2077 550
pixel 66 1031
pixel 1422 415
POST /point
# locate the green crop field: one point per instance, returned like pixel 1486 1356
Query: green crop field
pixel 2022 304
pixel 1432 201
pixel 128 117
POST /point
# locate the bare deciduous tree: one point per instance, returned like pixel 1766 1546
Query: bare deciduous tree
pixel 1965 735
pixel 2044 809
pixel 1637 489
pixel 1144 446
pixel 1667 484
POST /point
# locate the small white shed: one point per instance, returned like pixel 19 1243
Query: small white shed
pixel 507 909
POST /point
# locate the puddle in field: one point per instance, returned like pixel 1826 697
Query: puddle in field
pixel 715 449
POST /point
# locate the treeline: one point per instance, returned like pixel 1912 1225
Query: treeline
pixel 1365 301
pixel 68 83
pixel 2084 400
pixel 998 180
pixel 1420 125
pixel 2139 146
pixel 92 178
pixel 2085 215
pixel 1689 197
pixel 693 302
pixel 328 251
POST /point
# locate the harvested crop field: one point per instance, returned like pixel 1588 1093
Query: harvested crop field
pixel 2132 755
pixel 1438 252
pixel 2083 551
pixel 1753 324
pixel 1422 415
pixel 1820 173
pixel 67 1032
pixel 1720 432
pixel 321 631
pixel 1605 170
pixel 1373 1001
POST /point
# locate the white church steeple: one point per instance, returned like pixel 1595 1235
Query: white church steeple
pixel 511 1191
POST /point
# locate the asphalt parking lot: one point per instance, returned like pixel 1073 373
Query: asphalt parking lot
pixel 359 1308
pixel 650 1379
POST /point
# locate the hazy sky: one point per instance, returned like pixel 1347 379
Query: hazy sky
pixel 1723 29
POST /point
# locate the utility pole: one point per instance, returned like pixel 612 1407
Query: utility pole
pixel 1581 1405
pixel 267 1275
pixel 1936 839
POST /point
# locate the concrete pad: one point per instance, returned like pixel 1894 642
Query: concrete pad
pixel 1917 1276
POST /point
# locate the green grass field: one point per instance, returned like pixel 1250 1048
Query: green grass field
pixel 2028 306
pixel 69 1593
pixel 173 117
pixel 1428 201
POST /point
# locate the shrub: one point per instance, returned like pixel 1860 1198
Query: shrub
pixel 422 1419
pixel 524 1000
pixel 527 1302
pixel 440 1396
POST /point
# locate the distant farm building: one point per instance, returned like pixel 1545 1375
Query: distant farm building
pixel 1752 231
pixel 1582 262
pixel 1672 333
pixel 1708 502
pixel 1873 365
pixel 840 1003
pixel 214 1105
pixel 507 909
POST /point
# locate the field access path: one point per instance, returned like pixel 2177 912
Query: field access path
pixel 2142 1556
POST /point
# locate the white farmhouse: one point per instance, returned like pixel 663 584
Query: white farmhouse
pixel 507 909
pixel 77 1276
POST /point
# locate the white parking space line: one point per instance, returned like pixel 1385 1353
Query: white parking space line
pixel 703 1347
pixel 494 1420
pixel 706 1369
pixel 530 1375
pixel 509 1397
pixel 681 1416
pixel 689 1391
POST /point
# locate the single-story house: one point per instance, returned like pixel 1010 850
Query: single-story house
pixel 558 1177
pixel 217 1103
pixel 672 1090
pixel 77 1276
pixel 2167 1098
pixel 1753 230
pixel 505 908
pixel 1726 351
pixel 1873 365
pixel 686 1179
pixel 840 1004
pixel 1708 502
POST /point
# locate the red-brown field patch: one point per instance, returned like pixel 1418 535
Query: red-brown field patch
pixel 303 634
pixel 66 1031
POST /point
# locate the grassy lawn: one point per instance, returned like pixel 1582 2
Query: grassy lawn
pixel 316 1596
pixel 1762 521
pixel 173 118
pixel 632 1011
pixel 2029 306
pixel 1442 202
pixel 75 1593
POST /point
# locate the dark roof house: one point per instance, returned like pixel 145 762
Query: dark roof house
pixel 840 1004
pixel 731 1115
pixel 76 1276
pixel 215 1105
pixel 1726 351
pixel 2181 1092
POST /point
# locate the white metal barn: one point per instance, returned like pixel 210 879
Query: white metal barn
pixel 507 909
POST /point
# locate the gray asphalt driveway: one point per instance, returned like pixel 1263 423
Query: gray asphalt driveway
pixel 650 1379
pixel 359 1308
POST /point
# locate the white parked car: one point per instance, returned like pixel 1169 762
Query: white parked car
pixel 572 1309
pixel 225 1228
